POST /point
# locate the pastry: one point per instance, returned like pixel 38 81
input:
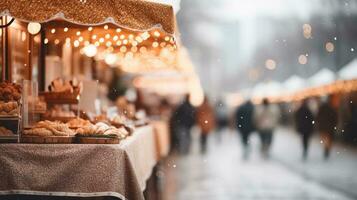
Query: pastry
pixel 78 122
pixel 5 132
pixel 48 128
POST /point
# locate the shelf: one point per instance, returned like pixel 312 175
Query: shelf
pixel 9 117
pixel 60 98
pixel 9 139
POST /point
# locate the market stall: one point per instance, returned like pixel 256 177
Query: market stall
pixel 69 142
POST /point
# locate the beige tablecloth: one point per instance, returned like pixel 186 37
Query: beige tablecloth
pixel 79 169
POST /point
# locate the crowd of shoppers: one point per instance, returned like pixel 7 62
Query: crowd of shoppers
pixel 250 118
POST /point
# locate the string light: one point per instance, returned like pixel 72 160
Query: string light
pixel 106 27
pixel 45 41
pixel 78 33
pixel 76 43
pixel 101 40
pixel 330 47
pixel 33 28
pixel 107 36
pixel 115 38
pixel 302 59
pixel 65 29
pixel 125 41
pixel 270 64
pixel 90 50
pixel 122 37
pixel 108 44
pixel 118 43
pixel 118 30
pixel 134 49
pixel 80 39
pixel 156 34
pixel 110 59
pixel 53 31
pixel 123 49
pixel 94 37
pixel 57 41
pixel 155 44
pixel 90 28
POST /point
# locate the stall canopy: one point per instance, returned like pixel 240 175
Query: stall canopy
pixel 322 77
pixel 130 14
pixel 268 89
pixel 294 83
pixel 349 71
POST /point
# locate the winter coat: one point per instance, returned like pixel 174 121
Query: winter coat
pixel 266 117
pixel 244 118
pixel 184 115
pixel 205 118
pixel 326 118
pixel 304 120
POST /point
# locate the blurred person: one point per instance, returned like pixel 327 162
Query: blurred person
pixel 245 124
pixel 206 122
pixel 182 120
pixel 221 113
pixel 266 118
pixel 304 125
pixel 326 120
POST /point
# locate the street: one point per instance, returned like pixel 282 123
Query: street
pixel 223 174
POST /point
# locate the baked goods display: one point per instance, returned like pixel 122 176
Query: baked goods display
pixel 5 132
pixel 58 111
pixel 10 92
pixel 9 108
pixel 10 95
pixel 78 123
pixel 37 106
pixel 119 119
pixel 102 129
pixel 48 128
pixel 60 85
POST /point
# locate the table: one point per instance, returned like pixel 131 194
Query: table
pixel 79 170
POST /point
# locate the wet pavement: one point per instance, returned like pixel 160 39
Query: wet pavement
pixel 223 174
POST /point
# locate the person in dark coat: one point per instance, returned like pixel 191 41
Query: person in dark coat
pixel 245 124
pixel 182 120
pixel 304 121
pixel 326 120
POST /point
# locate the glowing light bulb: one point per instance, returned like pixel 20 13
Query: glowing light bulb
pixel 34 28
pixel 110 59
pixel 270 64
pixel 65 29
pixel 76 43
pixel 53 30
pixel 90 50
pixel 90 28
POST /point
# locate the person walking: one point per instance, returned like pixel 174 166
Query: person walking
pixel 221 113
pixel 206 122
pixel 326 120
pixel 304 124
pixel 266 118
pixel 245 125
pixel 182 120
